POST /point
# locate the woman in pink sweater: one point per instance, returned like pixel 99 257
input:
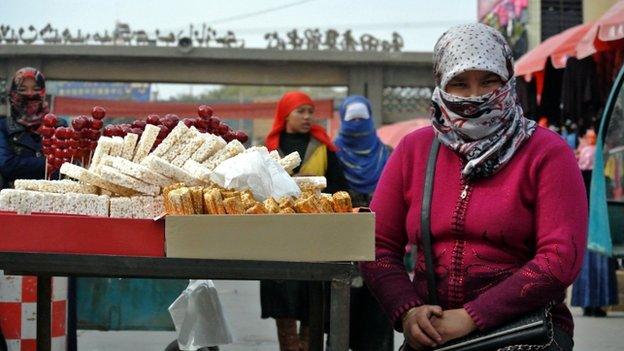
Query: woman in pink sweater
pixel 508 211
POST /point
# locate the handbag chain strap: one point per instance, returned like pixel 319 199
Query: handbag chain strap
pixel 551 337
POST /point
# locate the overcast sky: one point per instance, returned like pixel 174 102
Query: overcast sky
pixel 420 22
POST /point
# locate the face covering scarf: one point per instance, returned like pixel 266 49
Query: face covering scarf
pixel 360 151
pixel 485 130
pixel 28 109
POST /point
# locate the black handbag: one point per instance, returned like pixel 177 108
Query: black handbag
pixel 533 331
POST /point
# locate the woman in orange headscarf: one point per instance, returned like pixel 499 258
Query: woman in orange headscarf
pixel 294 130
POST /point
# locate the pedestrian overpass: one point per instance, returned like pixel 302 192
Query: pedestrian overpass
pixel 397 83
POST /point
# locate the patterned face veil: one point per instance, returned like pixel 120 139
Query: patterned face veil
pixel 485 130
pixel 28 109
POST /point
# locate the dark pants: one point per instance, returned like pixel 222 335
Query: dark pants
pixel 285 299
pixel 3 344
pixel 369 328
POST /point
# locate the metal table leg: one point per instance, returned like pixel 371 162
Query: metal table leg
pixel 72 318
pixel 317 319
pixel 339 315
pixel 44 312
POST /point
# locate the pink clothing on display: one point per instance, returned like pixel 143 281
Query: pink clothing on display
pixel 586 157
pixel 503 246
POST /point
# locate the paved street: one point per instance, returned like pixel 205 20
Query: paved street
pixel 241 303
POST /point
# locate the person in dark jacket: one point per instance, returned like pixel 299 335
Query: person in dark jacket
pixel 294 130
pixel 20 145
pixel 363 156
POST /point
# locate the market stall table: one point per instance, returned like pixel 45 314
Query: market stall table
pixel 45 266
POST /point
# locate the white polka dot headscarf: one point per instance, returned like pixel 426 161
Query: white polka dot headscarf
pixel 486 130
pixel 468 47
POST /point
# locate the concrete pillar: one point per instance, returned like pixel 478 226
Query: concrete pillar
pixel 534 27
pixel 593 9
pixel 368 81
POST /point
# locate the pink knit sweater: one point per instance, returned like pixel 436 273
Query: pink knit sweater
pixel 503 246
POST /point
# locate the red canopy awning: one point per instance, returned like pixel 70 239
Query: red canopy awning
pixel 579 41
pixel 609 28
pixel 391 134
pixel 68 106
pixel 558 48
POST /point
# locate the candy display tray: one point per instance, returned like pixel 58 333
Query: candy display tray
pixel 60 233
pixel 274 237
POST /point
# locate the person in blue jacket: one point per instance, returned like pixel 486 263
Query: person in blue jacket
pixel 20 145
pixel 363 156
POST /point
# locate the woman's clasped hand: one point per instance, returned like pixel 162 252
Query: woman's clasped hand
pixel 429 326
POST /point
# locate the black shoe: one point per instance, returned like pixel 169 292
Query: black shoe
pixel 599 312
pixel 173 346
pixel 588 311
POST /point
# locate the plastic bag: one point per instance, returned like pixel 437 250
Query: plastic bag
pixel 258 172
pixel 198 317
